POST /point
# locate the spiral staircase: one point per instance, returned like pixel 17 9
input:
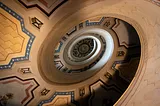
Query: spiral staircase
pixel 79 52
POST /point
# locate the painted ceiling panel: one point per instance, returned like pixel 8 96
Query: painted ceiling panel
pixel 15 40
pixel 46 6
pixel 10 85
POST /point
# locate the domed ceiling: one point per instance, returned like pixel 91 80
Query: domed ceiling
pixel 78 52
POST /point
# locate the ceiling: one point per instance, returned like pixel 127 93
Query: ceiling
pixel 35 36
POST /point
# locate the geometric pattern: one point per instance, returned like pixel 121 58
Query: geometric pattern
pixel 124 67
pixel 58 48
pixel 15 39
pixel 44 92
pixel 58 64
pixel 81 91
pixel 103 94
pixel 107 90
pixel 57 57
pixel 72 30
pixel 120 53
pixel 29 85
pixel 127 65
pixel 46 6
pixel 126 72
pixel 10 40
pixel 25 70
pixel 91 23
pixel 60 99
pixel 36 22
pixel 21 89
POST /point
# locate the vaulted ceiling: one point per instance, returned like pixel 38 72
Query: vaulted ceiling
pixel 79 52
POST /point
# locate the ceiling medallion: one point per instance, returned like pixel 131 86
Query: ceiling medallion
pixel 85 50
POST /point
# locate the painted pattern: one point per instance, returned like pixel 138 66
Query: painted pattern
pixel 15 39
pixel 58 50
pixel 25 89
pixel 63 98
pixel 23 40
pixel 103 94
pixel 46 6
pixel 95 21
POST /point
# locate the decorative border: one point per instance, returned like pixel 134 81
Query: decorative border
pixel 88 23
pixel 59 47
pixel 71 93
pixel 129 58
pixel 106 87
pixel 110 87
pixel 23 81
pixel 30 42
pixel 74 29
pixel 36 5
